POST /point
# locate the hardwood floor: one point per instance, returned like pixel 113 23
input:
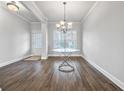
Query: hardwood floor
pixel 44 75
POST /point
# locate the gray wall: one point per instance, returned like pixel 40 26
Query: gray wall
pixel 52 28
pixel 103 37
pixel 14 37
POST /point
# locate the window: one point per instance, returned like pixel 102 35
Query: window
pixel 70 39
pixel 36 40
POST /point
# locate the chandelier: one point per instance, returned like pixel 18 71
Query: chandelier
pixel 63 25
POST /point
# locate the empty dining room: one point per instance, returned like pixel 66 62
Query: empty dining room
pixel 61 45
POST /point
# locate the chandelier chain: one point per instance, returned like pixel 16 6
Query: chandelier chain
pixel 64 11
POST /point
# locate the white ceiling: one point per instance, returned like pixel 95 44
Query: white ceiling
pixel 75 10
pixel 53 10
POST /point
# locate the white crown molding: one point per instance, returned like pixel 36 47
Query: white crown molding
pixel 59 21
pixel 35 10
pixel 107 74
pixel 55 22
pixel 35 22
pixel 89 12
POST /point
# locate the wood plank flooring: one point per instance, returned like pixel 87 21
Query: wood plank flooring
pixel 45 76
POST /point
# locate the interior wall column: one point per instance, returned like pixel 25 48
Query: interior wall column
pixel 44 52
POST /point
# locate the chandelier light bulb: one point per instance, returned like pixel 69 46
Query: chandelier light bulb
pixel 70 23
pixel 57 25
pixel 63 27
pixel 62 23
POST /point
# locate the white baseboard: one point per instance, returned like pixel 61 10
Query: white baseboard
pixel 107 74
pixel 44 58
pixel 63 55
pixel 12 61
